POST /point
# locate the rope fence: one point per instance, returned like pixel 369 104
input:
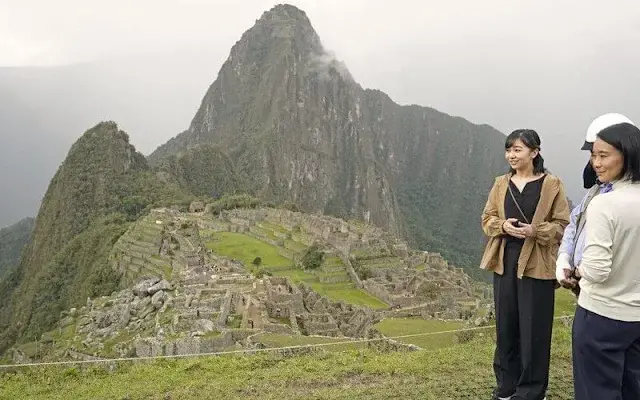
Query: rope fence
pixel 252 351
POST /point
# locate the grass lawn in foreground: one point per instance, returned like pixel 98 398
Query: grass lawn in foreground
pixel 461 371
pixel 406 326
pixel 277 340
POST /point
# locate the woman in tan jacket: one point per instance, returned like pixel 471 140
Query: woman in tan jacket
pixel 524 218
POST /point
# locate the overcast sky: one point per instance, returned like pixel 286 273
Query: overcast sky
pixel 547 65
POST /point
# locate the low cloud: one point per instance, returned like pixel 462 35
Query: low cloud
pixel 323 64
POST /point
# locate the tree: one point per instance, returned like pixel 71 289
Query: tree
pixel 313 258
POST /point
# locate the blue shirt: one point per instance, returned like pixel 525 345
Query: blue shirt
pixel 569 245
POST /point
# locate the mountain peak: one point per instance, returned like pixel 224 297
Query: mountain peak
pixel 105 145
pixel 285 13
pixel 283 29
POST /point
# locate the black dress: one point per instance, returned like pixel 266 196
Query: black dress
pixel 524 312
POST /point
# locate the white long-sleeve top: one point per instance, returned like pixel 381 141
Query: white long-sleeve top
pixel 610 265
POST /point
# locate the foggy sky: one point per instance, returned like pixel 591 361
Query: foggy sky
pixel 550 66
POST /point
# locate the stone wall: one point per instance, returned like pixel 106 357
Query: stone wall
pixel 225 310
pixel 352 273
pixel 151 347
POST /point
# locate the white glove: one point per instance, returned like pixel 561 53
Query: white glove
pixel 562 263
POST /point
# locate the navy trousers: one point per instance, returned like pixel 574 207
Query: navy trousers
pixel 606 357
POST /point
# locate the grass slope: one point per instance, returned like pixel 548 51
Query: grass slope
pixel 391 327
pixel 458 372
pixel 246 248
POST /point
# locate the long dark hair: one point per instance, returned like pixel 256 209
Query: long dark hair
pixel 530 139
pixel 625 138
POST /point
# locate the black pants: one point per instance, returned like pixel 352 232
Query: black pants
pixel 606 357
pixel 524 322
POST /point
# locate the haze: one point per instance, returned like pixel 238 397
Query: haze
pixel 552 67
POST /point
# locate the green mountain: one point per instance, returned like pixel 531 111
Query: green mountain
pixel 102 185
pixel 12 240
pixel 295 126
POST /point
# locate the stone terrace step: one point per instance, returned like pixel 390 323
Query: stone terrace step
pixel 333 268
pixel 383 262
pixel 294 246
pixel 287 253
pixel 334 278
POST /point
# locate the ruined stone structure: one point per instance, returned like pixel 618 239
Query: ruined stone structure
pixel 196 207
pixel 373 260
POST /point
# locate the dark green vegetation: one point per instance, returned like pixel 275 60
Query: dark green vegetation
pixel 101 186
pixel 312 258
pixel 284 121
pixel 12 240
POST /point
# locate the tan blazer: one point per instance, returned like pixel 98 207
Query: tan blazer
pixel 538 256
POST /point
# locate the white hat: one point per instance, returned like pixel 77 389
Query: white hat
pixel 601 123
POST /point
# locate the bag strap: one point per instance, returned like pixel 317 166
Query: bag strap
pixel 517 205
pixel 581 220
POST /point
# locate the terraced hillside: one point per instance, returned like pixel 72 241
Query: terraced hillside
pixel 143 251
pixel 199 282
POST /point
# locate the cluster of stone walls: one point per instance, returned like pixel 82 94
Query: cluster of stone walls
pixel 337 233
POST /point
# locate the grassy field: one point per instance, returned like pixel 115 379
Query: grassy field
pixel 276 340
pixel 565 302
pixel 407 326
pixel 456 372
pixel 246 248
pixel 348 293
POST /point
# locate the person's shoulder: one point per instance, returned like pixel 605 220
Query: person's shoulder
pixel 502 178
pixel 551 178
pixel 601 204
pixel 552 182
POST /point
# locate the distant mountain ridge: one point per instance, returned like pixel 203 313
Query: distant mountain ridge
pixel 12 240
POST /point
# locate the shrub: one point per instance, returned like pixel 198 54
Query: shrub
pixel 465 336
pixel 262 273
pixel 313 258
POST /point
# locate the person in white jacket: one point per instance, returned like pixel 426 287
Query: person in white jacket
pixel 606 327
pixel 572 246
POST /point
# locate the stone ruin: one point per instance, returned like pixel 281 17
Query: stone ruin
pixel 312 314
pixel 196 207
pixel 375 261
